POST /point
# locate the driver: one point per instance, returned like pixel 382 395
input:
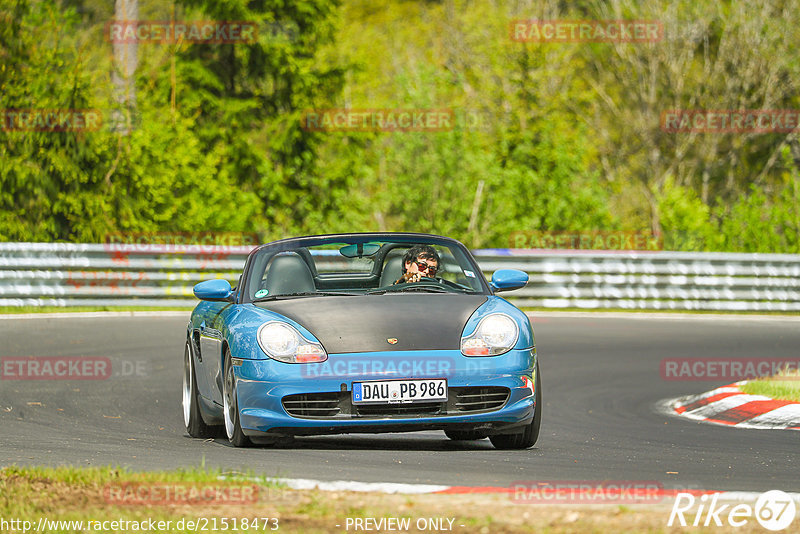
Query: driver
pixel 419 261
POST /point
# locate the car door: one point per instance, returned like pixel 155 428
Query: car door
pixel 210 383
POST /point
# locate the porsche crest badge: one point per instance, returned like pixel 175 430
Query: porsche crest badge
pixel 392 340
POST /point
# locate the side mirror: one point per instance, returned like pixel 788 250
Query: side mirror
pixel 213 290
pixel 508 279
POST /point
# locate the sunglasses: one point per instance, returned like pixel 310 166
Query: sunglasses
pixel 422 266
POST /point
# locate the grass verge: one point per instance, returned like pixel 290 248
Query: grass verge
pixel 783 386
pixel 104 495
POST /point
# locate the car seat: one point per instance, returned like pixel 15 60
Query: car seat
pixel 289 273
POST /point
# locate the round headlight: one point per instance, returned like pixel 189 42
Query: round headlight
pixel 278 339
pixel 496 334
pixel 498 331
pixel 281 341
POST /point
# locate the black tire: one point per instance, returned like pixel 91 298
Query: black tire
pixel 464 435
pixel 528 436
pixel 192 418
pixel 233 430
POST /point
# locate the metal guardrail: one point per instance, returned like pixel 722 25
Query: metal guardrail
pixel 652 280
pixel 63 274
pixel 66 274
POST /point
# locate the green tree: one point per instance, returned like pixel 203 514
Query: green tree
pixel 48 179
pixel 249 99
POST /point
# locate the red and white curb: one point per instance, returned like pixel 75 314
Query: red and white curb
pixel 610 495
pixel 383 487
pixel 730 406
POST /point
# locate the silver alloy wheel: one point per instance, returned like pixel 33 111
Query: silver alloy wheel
pixel 187 386
pixel 227 399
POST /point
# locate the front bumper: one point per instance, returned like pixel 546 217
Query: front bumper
pixel 266 387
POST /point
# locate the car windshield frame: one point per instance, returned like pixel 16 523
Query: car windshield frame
pixel 291 244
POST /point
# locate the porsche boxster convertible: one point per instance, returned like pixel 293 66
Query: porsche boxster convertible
pixel 373 332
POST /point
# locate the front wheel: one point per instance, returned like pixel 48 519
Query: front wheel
pixel 192 419
pixel 233 428
pixel 528 436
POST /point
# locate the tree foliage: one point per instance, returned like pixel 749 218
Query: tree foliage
pixel 547 136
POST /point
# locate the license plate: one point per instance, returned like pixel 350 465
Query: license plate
pixel 399 391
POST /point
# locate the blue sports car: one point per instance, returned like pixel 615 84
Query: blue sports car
pixel 373 332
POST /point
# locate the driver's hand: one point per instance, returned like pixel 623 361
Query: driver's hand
pixel 412 277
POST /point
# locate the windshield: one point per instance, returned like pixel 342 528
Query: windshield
pixel 357 266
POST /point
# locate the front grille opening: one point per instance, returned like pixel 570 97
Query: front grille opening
pixel 480 399
pixel 400 410
pixel 312 405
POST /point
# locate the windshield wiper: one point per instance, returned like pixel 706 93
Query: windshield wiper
pixel 306 294
pixel 424 288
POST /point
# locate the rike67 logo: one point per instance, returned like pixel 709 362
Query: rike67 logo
pixel 774 510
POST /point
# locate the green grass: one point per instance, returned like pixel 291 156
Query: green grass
pixel 82 494
pixel 100 475
pixel 775 387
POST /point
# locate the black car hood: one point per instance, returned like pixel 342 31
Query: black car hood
pixel 419 321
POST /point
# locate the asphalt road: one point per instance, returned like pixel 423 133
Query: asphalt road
pixel 601 385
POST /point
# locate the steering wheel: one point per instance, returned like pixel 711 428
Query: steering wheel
pixel 425 280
